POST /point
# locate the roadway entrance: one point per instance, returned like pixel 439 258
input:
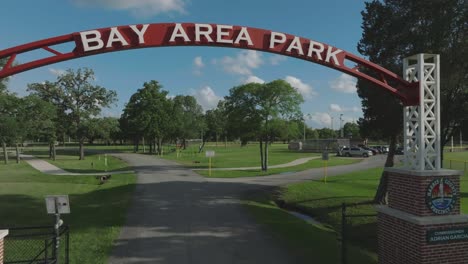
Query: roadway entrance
pixel 422 222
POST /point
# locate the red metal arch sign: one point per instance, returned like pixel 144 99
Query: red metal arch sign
pixel 102 40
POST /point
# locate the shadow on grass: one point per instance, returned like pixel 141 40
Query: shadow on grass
pixel 158 222
pixel 128 168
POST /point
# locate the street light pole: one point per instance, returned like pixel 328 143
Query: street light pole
pixel 304 130
pixel 341 125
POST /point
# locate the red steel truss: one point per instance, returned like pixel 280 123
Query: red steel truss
pixel 119 38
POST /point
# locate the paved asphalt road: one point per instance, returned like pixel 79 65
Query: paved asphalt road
pixel 178 217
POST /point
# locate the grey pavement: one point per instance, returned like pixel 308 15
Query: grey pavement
pixel 311 174
pixel 47 168
pixel 178 217
pixel 289 164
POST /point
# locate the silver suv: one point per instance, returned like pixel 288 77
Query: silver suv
pixel 355 151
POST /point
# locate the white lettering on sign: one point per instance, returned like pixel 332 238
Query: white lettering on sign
pixel 317 51
pixel 276 38
pixel 115 36
pixel 296 44
pixel 179 32
pixel 223 31
pixel 332 55
pixel 245 36
pixel 92 36
pixel 140 33
pixel 225 34
pixel 203 30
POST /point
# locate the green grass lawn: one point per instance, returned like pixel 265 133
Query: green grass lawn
pixel 323 201
pixel 456 160
pixel 97 211
pixel 235 156
pixel 317 163
pixel 308 242
pixel 68 160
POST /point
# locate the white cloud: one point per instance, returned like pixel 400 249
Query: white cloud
pixel 276 59
pixel 344 83
pixel 198 62
pixel 243 64
pixel 306 90
pixel 207 98
pixel 253 79
pixel 198 65
pixel 138 8
pixel 57 72
pixel 338 108
pixel 321 119
pixel 335 108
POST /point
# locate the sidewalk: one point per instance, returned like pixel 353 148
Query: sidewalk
pixel 47 168
pixel 289 164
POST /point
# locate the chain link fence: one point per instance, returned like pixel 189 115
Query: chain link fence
pixel 357 227
pixel 36 245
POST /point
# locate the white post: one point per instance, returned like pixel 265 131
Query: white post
pixel 451 140
pixel 422 122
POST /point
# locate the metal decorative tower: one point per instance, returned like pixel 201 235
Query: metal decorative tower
pixel 422 122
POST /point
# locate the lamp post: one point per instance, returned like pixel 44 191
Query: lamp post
pixel 341 125
pixel 304 117
pixel 304 129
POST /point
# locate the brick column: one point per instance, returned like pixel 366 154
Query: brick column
pixel 422 223
pixel 3 234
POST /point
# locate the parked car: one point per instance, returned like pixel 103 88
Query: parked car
pixel 399 151
pixel 381 149
pixel 339 151
pixel 355 151
pixel 374 151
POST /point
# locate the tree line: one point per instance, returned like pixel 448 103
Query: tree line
pixel 70 107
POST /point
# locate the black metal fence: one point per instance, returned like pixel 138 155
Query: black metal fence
pixel 37 245
pixel 355 227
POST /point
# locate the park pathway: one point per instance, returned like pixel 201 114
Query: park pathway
pixel 48 168
pixel 178 217
pixel 284 165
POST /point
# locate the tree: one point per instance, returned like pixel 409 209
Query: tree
pixel 395 29
pixel 77 98
pixel 3 81
pixel 312 133
pixel 326 133
pixel 148 114
pixel 216 122
pixel 251 109
pixel 187 118
pixel 39 119
pixel 9 125
pixel 351 130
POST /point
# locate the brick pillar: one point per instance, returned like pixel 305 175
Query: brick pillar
pixel 3 234
pixel 422 223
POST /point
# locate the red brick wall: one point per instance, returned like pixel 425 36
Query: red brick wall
pixel 408 193
pixel 403 242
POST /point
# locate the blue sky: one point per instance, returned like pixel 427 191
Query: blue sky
pixel 205 72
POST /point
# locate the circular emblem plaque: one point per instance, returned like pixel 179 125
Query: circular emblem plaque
pixel 441 196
